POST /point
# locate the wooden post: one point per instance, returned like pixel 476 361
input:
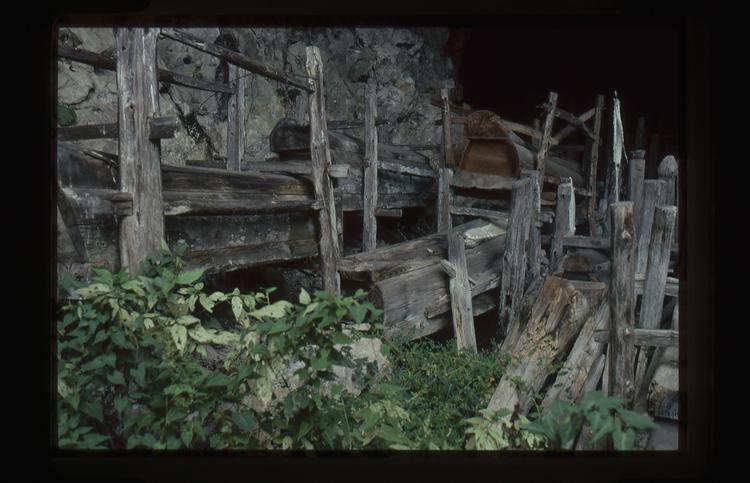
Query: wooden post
pixel 321 164
pixel 635 182
pixel 562 223
pixel 537 124
pixel 658 263
pixel 656 360
pixel 653 195
pixel 535 237
pixel 514 258
pixel 592 155
pixel 370 196
pixel 668 173
pixel 460 291
pixel 541 155
pixel 443 199
pixel 236 118
pixel 613 185
pixel 139 156
pixel 622 301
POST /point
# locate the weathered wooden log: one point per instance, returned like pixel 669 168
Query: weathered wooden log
pixel 592 162
pixel 102 62
pixel 656 360
pixel 562 224
pixel 444 176
pixel 645 337
pixel 570 129
pixel 635 183
pixel 534 255
pixel 622 301
pixel 671 288
pixel 614 185
pixel 236 118
pixel 585 260
pixel 658 263
pixel 407 167
pixel 538 343
pixel 208 180
pixel 158 128
pixel 653 196
pixel 667 172
pixel 321 162
pixel 303 167
pixel 140 161
pixel 541 155
pixel 370 166
pixel 495 216
pixel 514 258
pixel 76 167
pixel 567 117
pixel 231 57
pixel 460 292
pixel 571 380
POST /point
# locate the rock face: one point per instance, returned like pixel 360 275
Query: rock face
pixel 408 64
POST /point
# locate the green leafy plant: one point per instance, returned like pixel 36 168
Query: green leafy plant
pixel 500 430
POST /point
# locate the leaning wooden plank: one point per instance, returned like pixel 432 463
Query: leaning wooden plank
pixel 646 337
pixel 562 224
pixel 635 183
pixel 460 291
pixel 653 196
pixel 658 263
pixel 534 255
pixel 622 301
pixel 542 341
pixel 370 167
pixel 236 118
pixel 571 379
pixel 513 275
pixel 592 159
pixel 140 163
pixel 232 57
pixel 577 241
pixel 103 62
pixel 541 156
pixel 321 162
pixel 444 173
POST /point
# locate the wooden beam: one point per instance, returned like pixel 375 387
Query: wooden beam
pixel 562 224
pixel 140 163
pixel 97 60
pixel 407 167
pixel 592 160
pixel 567 117
pixel 534 255
pixel 158 128
pixel 321 162
pixel 495 216
pixel 444 173
pixel 646 337
pixel 541 155
pixel 236 118
pixel 636 177
pixel 513 273
pixel 231 57
pixel 340 125
pixel 653 196
pixel 370 167
pixel 460 291
pixel 570 129
pixel 658 264
pixel 622 301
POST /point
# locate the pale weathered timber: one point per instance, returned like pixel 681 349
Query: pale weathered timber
pixel 622 301
pixel 592 162
pixel 636 176
pixel 444 175
pixel 232 57
pixel 460 292
pixel 657 359
pixel 569 118
pixel 513 274
pixel 407 167
pixel 77 167
pixel 534 255
pixel 236 118
pixel 234 258
pixel 541 155
pixel 578 241
pixel 185 178
pixel 443 304
pixel 614 182
pixel 539 343
pixel 671 288
pixel 645 337
pixel 139 156
pixel 293 167
pixel 653 196
pixel 562 223
pixel 657 266
pixel 570 382
pixel 370 167
pixel 102 62
pixel 588 285
pixel 321 162
pixel 667 172
pixel 495 216
pixel 466 179
pixel 159 128
pixel 94 206
pixel 570 129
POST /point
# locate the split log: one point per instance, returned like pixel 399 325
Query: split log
pixel 534 254
pixel 562 224
pixel 370 175
pixel 514 258
pixel 460 292
pixel 653 196
pixel 321 162
pixel 140 161
pixel 537 343
pixel 658 263
pixel 635 183
pixel 622 301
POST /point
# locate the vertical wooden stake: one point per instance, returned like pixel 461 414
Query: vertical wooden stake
pixel 236 118
pixel 622 301
pixel 514 258
pixel 653 195
pixel 658 263
pixel 443 199
pixel 636 177
pixel 370 185
pixel 592 155
pixel 460 291
pixel 321 164
pixel 668 173
pixel 140 160
pixel 535 238
pixel 537 124
pixel 562 222
pixel 541 155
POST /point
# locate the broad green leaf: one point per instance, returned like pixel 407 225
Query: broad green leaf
pixel 340 338
pixel 623 440
pixel 187 320
pixel 635 420
pixel 206 302
pixel 93 409
pixel 304 297
pixel 186 435
pixel 237 307
pixel 278 327
pixel 175 414
pixel 358 313
pixel 244 420
pixel 121 403
pixel 304 428
pixel 94 441
pixel 186 278
pixel 116 378
pixel 179 335
pixel 218 379
pixel 276 310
